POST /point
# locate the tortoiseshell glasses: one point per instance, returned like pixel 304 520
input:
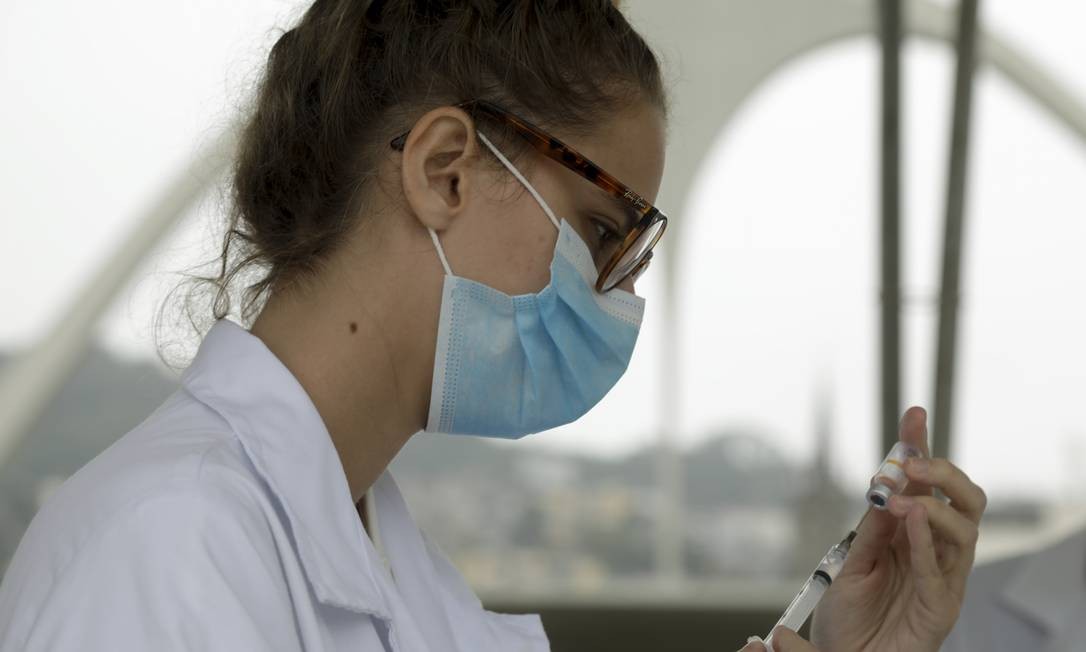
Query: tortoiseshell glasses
pixel 625 259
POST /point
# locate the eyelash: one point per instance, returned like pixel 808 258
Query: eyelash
pixel 603 230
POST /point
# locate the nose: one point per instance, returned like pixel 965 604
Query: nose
pixel 627 284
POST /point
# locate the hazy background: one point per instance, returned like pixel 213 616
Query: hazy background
pixel 104 101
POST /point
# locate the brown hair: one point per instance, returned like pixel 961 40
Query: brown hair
pixel 354 73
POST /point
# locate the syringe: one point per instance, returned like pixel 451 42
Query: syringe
pixel 807 599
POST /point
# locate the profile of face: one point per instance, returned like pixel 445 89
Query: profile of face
pixel 492 230
pixel 378 301
pixel 344 224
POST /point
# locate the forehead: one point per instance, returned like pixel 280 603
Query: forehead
pixel 629 145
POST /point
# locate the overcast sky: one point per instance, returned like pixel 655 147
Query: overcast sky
pixel 104 101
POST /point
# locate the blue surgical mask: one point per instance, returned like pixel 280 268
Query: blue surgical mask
pixel 507 366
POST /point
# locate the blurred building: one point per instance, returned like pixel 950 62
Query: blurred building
pixel 690 539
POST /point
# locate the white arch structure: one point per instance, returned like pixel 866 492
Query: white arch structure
pixel 720 50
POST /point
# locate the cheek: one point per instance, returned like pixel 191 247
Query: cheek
pixel 526 250
pixel 508 246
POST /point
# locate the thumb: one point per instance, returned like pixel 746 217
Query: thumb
pixel 872 540
pixel 785 640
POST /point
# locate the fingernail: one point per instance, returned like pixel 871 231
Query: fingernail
pixel 901 504
pixel 919 466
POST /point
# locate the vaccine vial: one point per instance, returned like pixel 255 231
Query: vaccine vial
pixel 890 479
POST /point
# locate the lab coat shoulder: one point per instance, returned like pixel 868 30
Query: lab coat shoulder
pixel 162 542
pixel 973 630
pixel 1031 601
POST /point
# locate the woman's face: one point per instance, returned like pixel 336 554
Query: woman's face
pixel 492 230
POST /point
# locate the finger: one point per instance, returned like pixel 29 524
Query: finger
pixel 754 644
pixel 914 430
pixel 964 494
pixel 873 537
pixel 950 524
pixel 878 530
pixel 958 534
pixel 925 567
pixel 785 640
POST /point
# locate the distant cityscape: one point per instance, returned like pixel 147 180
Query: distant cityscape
pixel 511 518
pixel 581 521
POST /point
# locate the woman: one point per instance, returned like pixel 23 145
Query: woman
pixel 408 283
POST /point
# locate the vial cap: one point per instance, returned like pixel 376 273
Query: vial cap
pixel 879 496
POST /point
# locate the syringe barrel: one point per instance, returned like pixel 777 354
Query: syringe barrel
pixel 801 607
pixel 834 560
pixel 804 603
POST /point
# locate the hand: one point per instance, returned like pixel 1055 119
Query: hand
pixel 902 586
pixel 784 640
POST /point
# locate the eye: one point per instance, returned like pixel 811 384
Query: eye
pixel 605 233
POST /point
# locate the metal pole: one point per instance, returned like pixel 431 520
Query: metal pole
pixel 952 238
pixel 670 525
pixel 890 31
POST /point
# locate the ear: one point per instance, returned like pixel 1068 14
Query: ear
pixel 437 167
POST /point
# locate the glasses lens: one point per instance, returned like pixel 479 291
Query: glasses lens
pixel 640 269
pixel 635 254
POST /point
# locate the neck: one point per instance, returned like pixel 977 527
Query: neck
pixel 357 354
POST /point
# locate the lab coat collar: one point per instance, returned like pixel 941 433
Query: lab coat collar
pixel 1050 588
pixel 235 374
pixel 451 615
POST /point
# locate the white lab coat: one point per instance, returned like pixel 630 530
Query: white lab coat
pixel 1034 602
pixel 224 522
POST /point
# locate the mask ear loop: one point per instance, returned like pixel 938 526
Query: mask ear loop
pixel 520 177
pixel 440 252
